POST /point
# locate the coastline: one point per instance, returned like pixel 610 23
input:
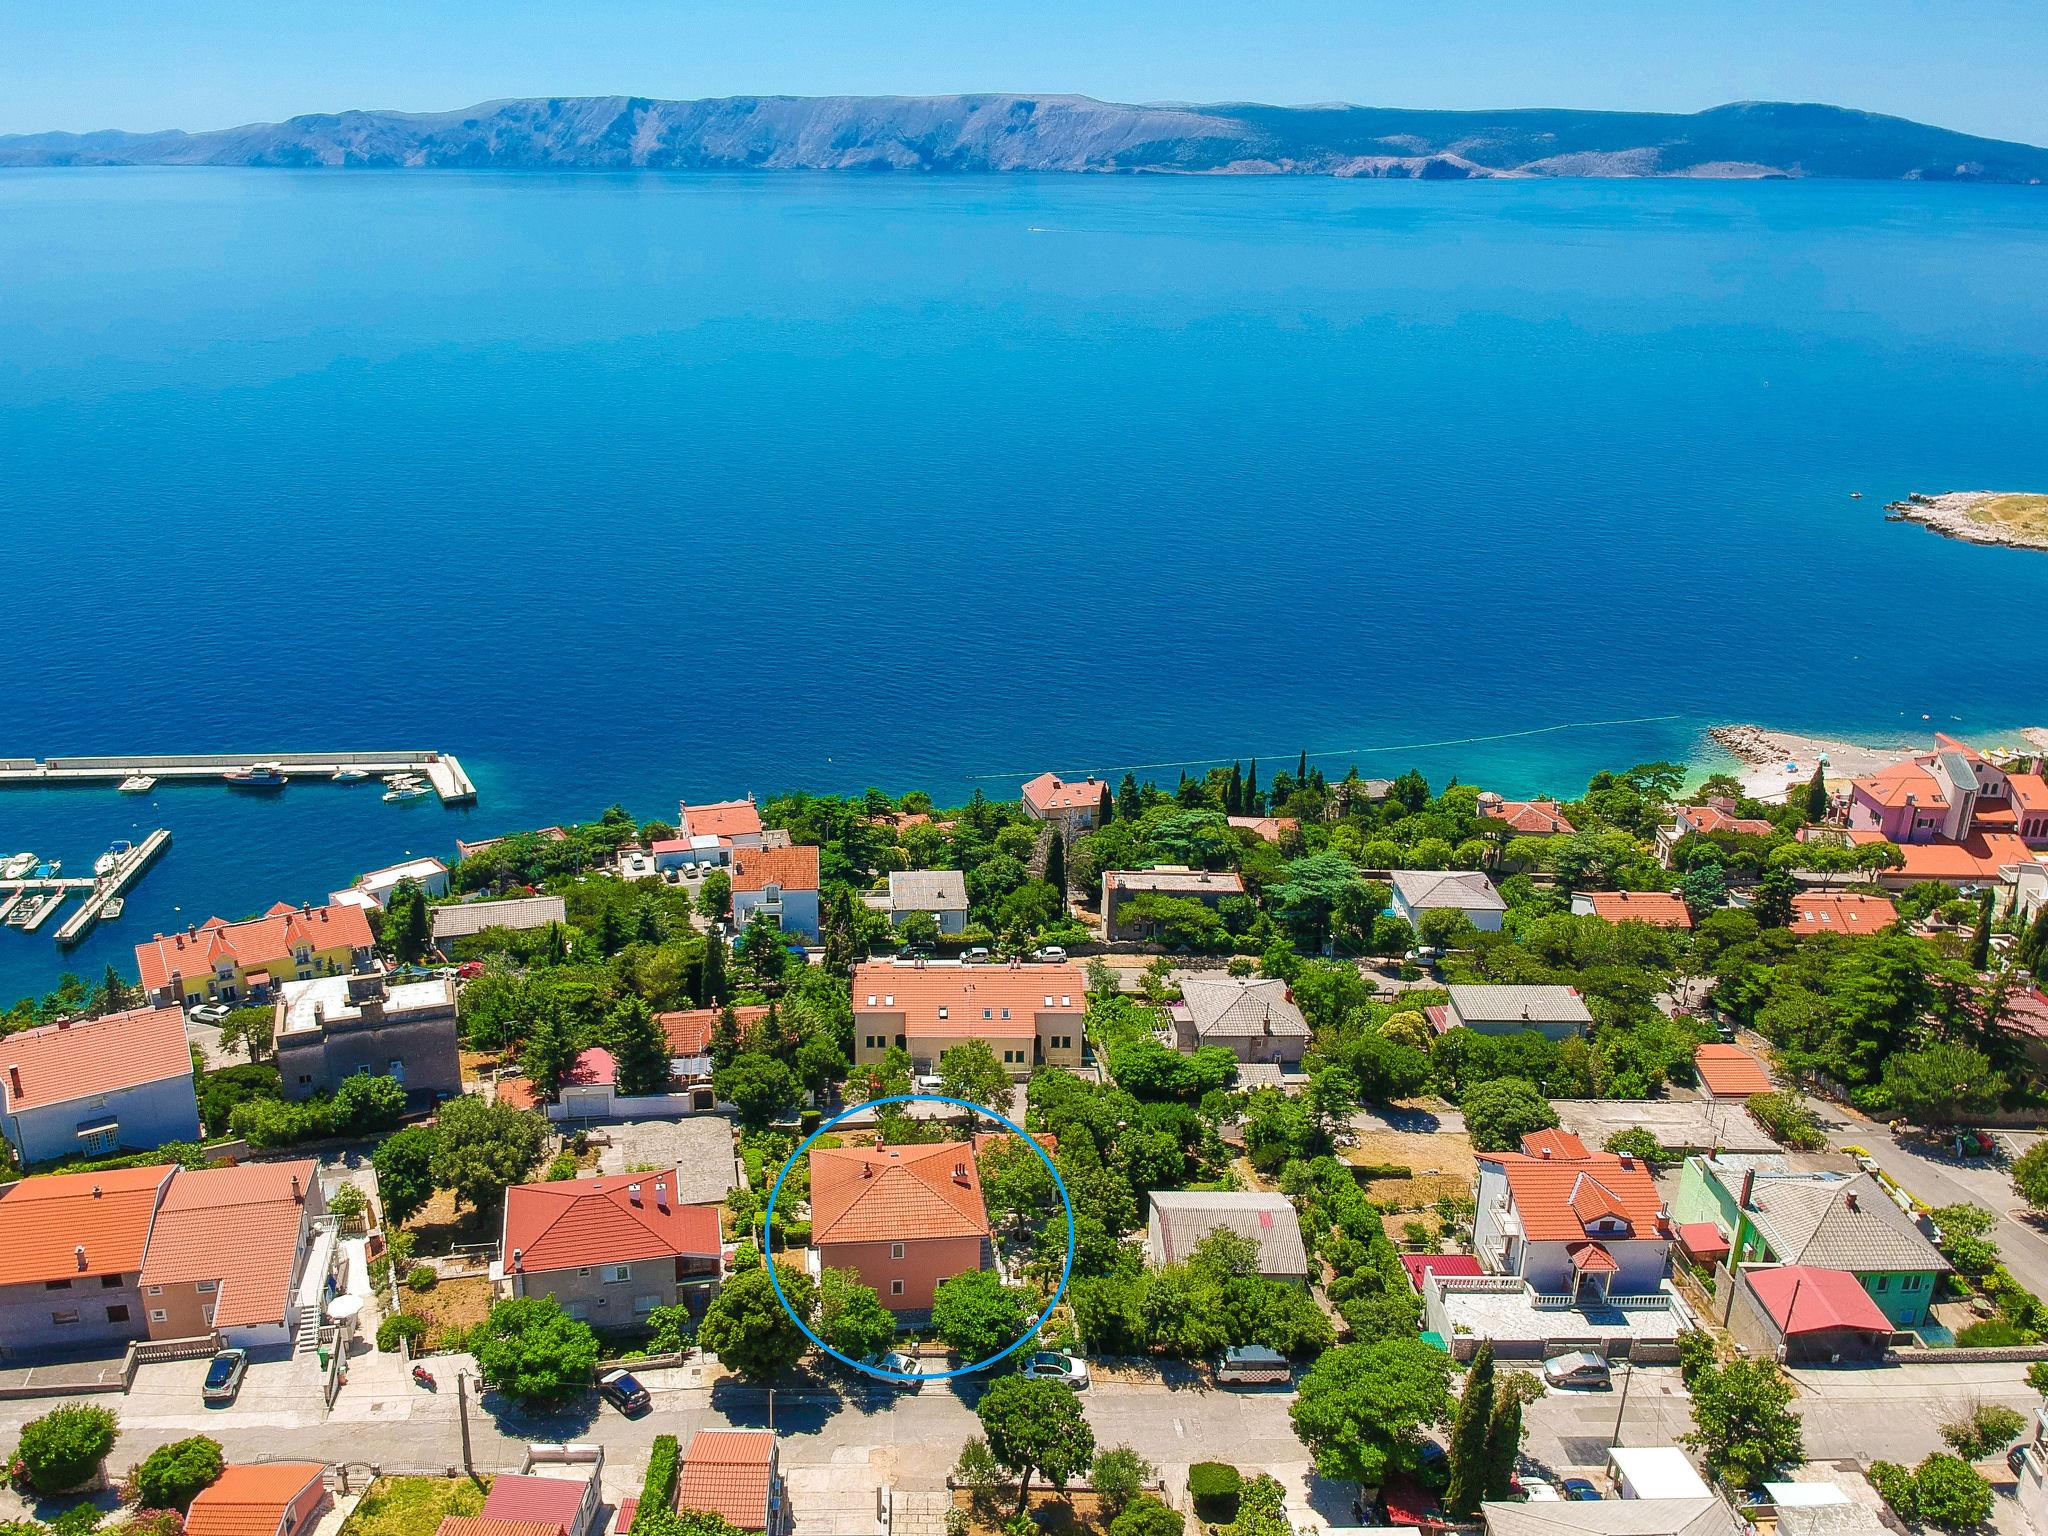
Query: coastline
pixel 1767 757
pixel 1969 516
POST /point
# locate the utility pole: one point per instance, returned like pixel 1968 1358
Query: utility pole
pixel 1628 1374
pixel 462 1413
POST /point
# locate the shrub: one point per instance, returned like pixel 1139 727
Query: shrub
pixel 957 1521
pixel 1981 1429
pixel 1020 1524
pixel 1119 1476
pixel 421 1277
pixel 172 1474
pixel 400 1326
pixel 2037 1373
pixel 976 1467
pixel 1148 1516
pixel 1943 1491
pixel 1787 1121
pixel 150 1522
pixel 64 1448
pixel 659 1490
pixel 562 1168
pixel 1214 1486
pixel 1992 1333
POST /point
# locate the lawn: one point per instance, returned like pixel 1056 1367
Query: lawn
pixel 413 1506
pixel 451 1308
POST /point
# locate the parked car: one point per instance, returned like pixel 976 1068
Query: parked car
pixel 1538 1491
pixel 1051 953
pixel 1250 1365
pixel 978 955
pixel 2016 1458
pixel 624 1392
pixel 208 1013
pixel 1047 1365
pixel 1578 1491
pixel 1580 1368
pixel 224 1373
pixel 898 1364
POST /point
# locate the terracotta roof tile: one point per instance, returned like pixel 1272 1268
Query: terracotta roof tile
pixel 47 1219
pixel 890 1194
pixel 1591 1259
pixel 237 1226
pixel 61 1062
pixel 729 1472
pixel 1730 1072
pixel 1532 818
pixel 1554 1146
pixel 575 1222
pixel 794 868
pixel 480 1525
pixel 1556 1199
pixel 975 998
pixel 1827 912
pixel 1049 792
pixel 551 1501
pixel 1660 909
pixel 262 941
pixel 719 818
pixel 250 1499
pixel 1711 818
pixel 689 1031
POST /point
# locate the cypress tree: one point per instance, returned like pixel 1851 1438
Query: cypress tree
pixel 725 1037
pixel 1301 768
pixel 1469 1436
pixel 639 1045
pixel 648 930
pixel 711 977
pixel 1056 864
pixel 611 933
pixel 1129 803
pixel 113 991
pixel 1774 898
pixel 1980 936
pixel 1233 792
pixel 1817 796
pixel 1503 1444
pixel 1251 791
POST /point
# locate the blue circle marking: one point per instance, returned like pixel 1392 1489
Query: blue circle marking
pixel 768 1236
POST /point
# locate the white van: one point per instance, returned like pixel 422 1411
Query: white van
pixel 1250 1365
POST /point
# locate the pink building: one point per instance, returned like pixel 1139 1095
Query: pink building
pixel 902 1218
pixel 1943 795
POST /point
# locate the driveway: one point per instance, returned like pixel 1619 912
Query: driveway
pixel 698 1147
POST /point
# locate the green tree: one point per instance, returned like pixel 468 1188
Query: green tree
pixel 367 1102
pixel 249 1029
pixel 1056 863
pixel 1035 1427
pixel 970 1071
pixel 1943 1491
pixel 1148 1516
pixel 1504 1440
pixel 65 1447
pixel 851 1317
pixel 760 1088
pixel 548 1053
pixel 404 1162
pixel 172 1474
pixel 532 1351
pixel 747 1328
pixel 661 1521
pixel 1743 1422
pixel 113 992
pixel 1942 1084
pixel 977 1314
pixel 1817 795
pixel 1980 936
pixel 1119 1476
pixel 2030 1175
pixel 712 987
pixel 482 1149
pixel 1499 1113
pixel 639 1046
pixel 1774 897
pixel 1360 1406
pixel 1469 1432
pixel 1308 892
pixel 407 923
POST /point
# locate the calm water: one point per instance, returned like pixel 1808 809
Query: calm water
pixel 632 487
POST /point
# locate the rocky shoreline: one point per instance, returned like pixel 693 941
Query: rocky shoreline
pixel 1960 515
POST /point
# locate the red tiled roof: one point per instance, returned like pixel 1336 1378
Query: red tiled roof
pixel 1049 792
pixel 477 1525
pixel 1711 818
pixel 721 818
pixel 594 1067
pixel 1730 1072
pixel 794 868
pixel 1980 856
pixel 1443 1265
pixel 1534 818
pixel 261 941
pixel 237 1226
pixel 46 1221
pixel 1554 1144
pixel 553 1501
pixel 890 1194
pixel 689 1031
pixel 1591 1259
pixel 1660 909
pixel 1801 1299
pixel 1269 828
pixel 1703 1240
pixel 975 997
pixel 1901 782
pixel 2029 791
pixel 250 1500
pixel 1830 912
pixel 574 1222
pixel 61 1062
pixel 1557 1199
pixel 729 1472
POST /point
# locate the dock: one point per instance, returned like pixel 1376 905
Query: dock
pixel 113 884
pixel 442 770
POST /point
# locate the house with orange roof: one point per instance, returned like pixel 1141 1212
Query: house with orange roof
pixel 689 1047
pixel 1659 909
pixel 1931 796
pixel 1587 1227
pixel 710 836
pixel 271 1498
pixel 1267 829
pixel 902 1218
pixel 1978 859
pixel 1841 912
pixel 556 1496
pixel 121 1082
pixel 779 883
pixel 610 1250
pixel 1029 1015
pixel 233 963
pixel 1073 808
pixel 1730 1072
pixel 737 1475
pixel 240 1252
pixel 1716 816
pixel 1525 818
pixel 71 1262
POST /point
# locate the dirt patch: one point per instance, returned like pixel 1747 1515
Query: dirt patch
pixel 1440 1165
pixel 436 1227
pixel 451 1308
pixel 1053 1512
pixel 480 1066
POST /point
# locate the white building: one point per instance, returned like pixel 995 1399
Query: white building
pixel 373 891
pixel 98 1086
pixel 1417 891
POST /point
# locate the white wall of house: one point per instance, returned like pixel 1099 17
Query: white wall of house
pixel 150 1114
pixel 1548 1267
pixel 798 910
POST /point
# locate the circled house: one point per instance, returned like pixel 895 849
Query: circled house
pixel 901 1218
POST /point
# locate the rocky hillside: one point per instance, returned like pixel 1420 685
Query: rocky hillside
pixel 1075 133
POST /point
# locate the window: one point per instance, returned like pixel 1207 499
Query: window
pixel 1006 1013
pixel 159 1315
pixel 56 1285
pixel 1066 1000
pixel 117 1314
pixel 895 1287
pixel 945 1013
pixel 895 1250
pixel 110 1282
pixel 305 1078
pixel 65 1318
pixel 1884 1282
pixel 987 1014
pixel 205 1287
pixel 583 1269
pixel 156 1290
pixel 614 1273
pixel 1048 999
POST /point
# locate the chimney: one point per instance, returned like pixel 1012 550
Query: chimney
pixel 660 1195
pixel 298 1195
pixel 1748 1186
pixel 95 1191
pixel 960 1172
pixel 867 1170
pixel 1849 1199
pixel 79 1253
pixel 14 1081
pixel 64 1023
pixel 1627 1161
pixel 518 1259
pixel 633 1193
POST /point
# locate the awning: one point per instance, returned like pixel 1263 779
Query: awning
pixel 1702 1240
pixel 1592 1259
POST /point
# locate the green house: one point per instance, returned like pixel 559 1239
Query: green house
pixel 1772 1215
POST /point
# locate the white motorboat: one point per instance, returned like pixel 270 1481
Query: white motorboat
pixel 258 776
pixel 137 784
pixel 110 861
pixel 412 791
pixel 350 775
pixel 20 867
pixel 112 906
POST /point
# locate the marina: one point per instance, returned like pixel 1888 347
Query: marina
pixel 441 771
pixel 30 900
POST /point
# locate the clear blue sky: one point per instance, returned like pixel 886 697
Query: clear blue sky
pixel 1976 65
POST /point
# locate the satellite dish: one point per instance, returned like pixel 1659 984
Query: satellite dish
pixel 344 1309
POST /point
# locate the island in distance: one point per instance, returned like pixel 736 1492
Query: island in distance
pixel 1075 133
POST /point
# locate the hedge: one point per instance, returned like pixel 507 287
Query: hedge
pixel 659 1491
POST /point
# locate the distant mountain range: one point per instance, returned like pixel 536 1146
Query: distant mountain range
pixel 1074 133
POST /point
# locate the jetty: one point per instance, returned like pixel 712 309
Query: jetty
pixel 113 886
pixel 442 770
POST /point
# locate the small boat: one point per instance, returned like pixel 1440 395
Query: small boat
pixel 18 867
pixel 412 791
pixel 137 784
pixel 103 866
pixel 112 906
pixel 258 776
pixel 405 776
pixel 110 861
pixel 350 775
pixel 51 870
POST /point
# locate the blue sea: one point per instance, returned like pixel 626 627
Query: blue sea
pixel 634 487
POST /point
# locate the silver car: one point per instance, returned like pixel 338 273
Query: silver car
pixel 898 1364
pixel 1049 1365
pixel 1581 1368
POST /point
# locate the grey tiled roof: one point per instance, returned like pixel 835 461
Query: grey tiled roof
pixel 1535 1005
pixel 1241 1008
pixel 928 890
pixel 1466 889
pixel 1612 1517
pixel 463 918
pixel 1836 1223
pixel 1187 1216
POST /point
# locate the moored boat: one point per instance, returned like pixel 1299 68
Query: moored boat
pixel 19 867
pixel 137 784
pixel 412 791
pixel 350 775
pixel 258 776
